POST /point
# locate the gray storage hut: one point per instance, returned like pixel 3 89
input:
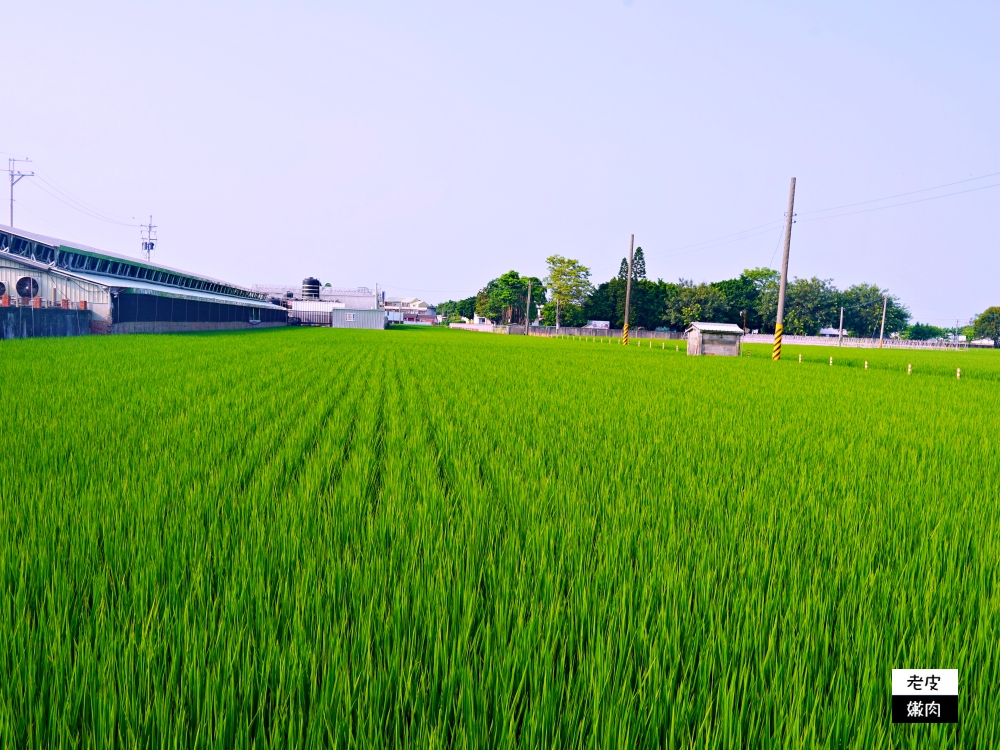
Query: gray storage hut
pixel 714 339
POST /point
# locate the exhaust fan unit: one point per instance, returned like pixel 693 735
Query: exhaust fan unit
pixel 27 287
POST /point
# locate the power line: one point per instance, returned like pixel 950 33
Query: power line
pixel 900 195
pixel 742 235
pixel 69 196
pixel 44 221
pixel 430 291
pixel 724 237
pixel 85 211
pixel 905 203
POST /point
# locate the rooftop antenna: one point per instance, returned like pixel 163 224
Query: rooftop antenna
pixel 148 239
pixel 15 177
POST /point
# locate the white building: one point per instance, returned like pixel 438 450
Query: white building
pixel 361 298
pixel 410 310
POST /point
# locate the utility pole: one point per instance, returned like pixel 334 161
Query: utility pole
pixel 840 331
pixel 527 311
pixel 628 290
pixel 881 333
pixel 15 177
pixel 148 239
pixel 779 327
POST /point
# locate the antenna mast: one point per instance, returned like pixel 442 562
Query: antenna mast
pixel 148 239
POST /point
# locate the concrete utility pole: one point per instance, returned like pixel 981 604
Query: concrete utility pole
pixel 628 290
pixel 840 331
pixel 527 311
pixel 15 177
pixel 779 327
pixel 881 333
pixel 148 239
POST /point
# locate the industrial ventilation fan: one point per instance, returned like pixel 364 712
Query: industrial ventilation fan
pixel 27 287
pixel 3 289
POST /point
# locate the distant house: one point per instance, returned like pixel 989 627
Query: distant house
pixel 410 310
pixel 714 339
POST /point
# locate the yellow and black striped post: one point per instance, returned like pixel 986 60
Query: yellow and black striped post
pixel 776 351
pixel 628 291
pixel 779 327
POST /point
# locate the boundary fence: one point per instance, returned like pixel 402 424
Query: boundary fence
pixel 854 343
pixel 551 331
pixel 750 338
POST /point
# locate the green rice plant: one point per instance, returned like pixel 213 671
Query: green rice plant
pixel 431 538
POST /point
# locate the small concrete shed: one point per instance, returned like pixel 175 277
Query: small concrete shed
pixel 714 339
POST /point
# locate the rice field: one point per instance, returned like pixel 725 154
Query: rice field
pixel 426 538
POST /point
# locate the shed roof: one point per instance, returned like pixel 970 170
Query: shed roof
pixel 716 328
pixel 142 287
pixel 75 257
pixel 149 287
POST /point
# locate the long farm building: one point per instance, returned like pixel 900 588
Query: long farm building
pixel 51 287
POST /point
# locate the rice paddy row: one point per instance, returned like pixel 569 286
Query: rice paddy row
pixel 318 538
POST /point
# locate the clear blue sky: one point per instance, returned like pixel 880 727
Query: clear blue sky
pixel 432 146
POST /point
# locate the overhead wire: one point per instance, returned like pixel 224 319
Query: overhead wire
pixel 741 235
pixel 431 291
pixel 904 203
pixel 900 195
pixel 69 196
pixel 85 211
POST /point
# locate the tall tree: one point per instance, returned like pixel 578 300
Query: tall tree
pixel 505 298
pixel 568 282
pixel 692 302
pixel 810 304
pixel 638 265
pixel 604 302
pixel 987 325
pixel 863 311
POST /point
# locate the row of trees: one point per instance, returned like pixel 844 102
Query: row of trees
pixel 750 299
pixel 566 297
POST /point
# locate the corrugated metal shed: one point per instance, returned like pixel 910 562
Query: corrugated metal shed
pixel 373 319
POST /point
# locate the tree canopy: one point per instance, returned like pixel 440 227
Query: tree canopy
pixel 454 311
pixel 504 299
pixel 568 282
pixel 987 324
pixel 810 303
